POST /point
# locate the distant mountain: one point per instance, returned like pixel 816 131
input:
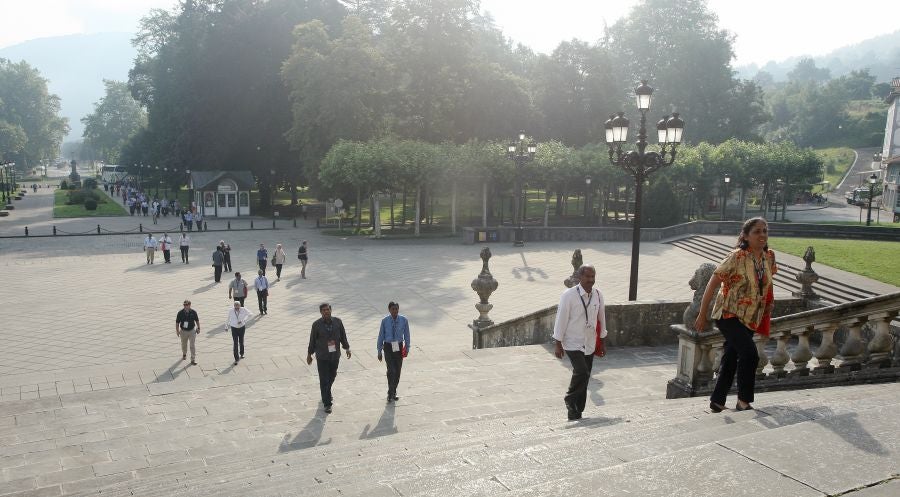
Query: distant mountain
pixel 881 55
pixel 75 67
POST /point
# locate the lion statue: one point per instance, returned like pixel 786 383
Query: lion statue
pixel 698 284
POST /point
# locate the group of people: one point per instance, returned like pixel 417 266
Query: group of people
pixel 165 244
pixel 744 302
pixel 221 259
pixel 327 336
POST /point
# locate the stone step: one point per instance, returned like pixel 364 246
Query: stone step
pixel 458 472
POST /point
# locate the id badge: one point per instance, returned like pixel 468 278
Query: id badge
pixel 184 325
pixel 332 347
pixel 395 346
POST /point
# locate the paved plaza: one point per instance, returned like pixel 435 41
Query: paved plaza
pixel 93 390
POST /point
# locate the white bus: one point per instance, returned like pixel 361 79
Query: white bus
pixel 112 173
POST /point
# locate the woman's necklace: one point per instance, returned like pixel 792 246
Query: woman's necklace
pixel 760 269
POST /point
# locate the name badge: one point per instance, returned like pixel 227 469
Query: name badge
pixel 395 346
pixel 184 325
pixel 332 347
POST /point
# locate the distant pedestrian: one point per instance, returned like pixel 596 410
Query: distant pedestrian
pixel 165 244
pixel 189 220
pixel 217 258
pixel 303 210
pixel 145 207
pixel 581 309
pixel 278 260
pixel 262 292
pixel 237 289
pixel 238 316
pixel 150 247
pixel 303 255
pixel 198 220
pixel 184 243
pixel 327 332
pixel 226 249
pixel 393 344
pixel 262 256
pixel 187 327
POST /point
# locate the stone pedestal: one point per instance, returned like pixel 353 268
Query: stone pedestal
pixel 484 285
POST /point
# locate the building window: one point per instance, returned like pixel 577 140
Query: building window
pixel 245 199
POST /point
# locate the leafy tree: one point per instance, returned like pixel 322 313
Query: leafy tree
pixel 806 72
pixel 661 205
pixel 31 129
pixel 116 118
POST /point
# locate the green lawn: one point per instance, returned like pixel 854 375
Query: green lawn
pixel 876 260
pixel 108 208
pixel 837 161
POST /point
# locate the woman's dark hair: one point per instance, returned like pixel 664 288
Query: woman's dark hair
pixel 745 231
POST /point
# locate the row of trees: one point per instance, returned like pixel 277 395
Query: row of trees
pixel 365 171
pixel 31 130
pixel 274 85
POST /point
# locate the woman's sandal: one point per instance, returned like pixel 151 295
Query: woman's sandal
pixel 716 407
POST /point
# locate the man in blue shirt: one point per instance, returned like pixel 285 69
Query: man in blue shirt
pixel 262 256
pixel 393 342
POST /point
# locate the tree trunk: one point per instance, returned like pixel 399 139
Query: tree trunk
pixel 392 209
pixel 484 205
pixel 294 196
pixel 418 209
pixel 546 208
pixel 403 209
pixel 377 218
pixel 453 209
pixel 358 209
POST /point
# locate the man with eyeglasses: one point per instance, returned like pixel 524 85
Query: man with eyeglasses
pixel 187 326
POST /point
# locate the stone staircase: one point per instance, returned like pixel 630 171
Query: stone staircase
pixel 831 291
pixel 481 422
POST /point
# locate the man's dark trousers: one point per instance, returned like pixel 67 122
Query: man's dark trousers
pixel 576 397
pixel 237 335
pixel 394 362
pixel 167 255
pixel 327 373
pixel 218 273
pixel 263 299
pixel 262 265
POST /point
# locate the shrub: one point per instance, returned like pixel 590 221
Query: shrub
pixel 77 197
pixel 90 204
pixel 63 185
pixel 89 183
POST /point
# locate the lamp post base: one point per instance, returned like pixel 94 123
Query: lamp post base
pixel 520 238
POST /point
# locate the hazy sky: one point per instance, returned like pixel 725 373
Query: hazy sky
pixel 766 29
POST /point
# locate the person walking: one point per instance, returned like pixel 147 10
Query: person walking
pixel 303 255
pixel 393 344
pixel 742 285
pixel 278 260
pixel 238 316
pixel 198 220
pixel 165 244
pixel 187 327
pixel 184 243
pixel 262 256
pixel 327 332
pixel 580 310
pixel 226 249
pixel 144 207
pixel 237 289
pixel 217 259
pixel 262 292
pixel 150 247
pixel 189 220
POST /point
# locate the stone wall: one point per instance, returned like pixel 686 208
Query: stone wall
pixel 623 234
pixel 630 324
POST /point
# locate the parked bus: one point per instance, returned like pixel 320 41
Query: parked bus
pixel 112 173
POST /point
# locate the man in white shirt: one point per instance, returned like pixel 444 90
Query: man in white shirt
pixel 165 244
pixel 150 247
pixel 237 321
pixel 575 332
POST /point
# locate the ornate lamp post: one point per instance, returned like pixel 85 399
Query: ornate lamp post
pixel 640 163
pixel 872 180
pixel 521 153
pixel 725 198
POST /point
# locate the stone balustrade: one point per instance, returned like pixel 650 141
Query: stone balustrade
pixel 854 343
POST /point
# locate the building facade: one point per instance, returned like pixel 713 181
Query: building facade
pixel 222 194
pixel 890 153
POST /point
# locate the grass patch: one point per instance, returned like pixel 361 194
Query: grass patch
pixel 104 209
pixel 876 260
pixel 882 224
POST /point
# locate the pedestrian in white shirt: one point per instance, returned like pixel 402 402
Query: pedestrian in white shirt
pixel 581 310
pixel 150 247
pixel 237 321
pixel 184 244
pixel 165 244
pixel 262 292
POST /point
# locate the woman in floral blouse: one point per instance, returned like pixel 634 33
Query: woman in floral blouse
pixel 743 306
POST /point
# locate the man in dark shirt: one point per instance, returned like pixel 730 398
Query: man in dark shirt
pixel 187 326
pixel 326 333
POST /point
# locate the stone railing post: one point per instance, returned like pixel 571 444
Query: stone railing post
pixel 827 350
pixel 882 343
pixel 484 285
pixel 780 358
pixel 851 352
pixel 761 341
pixel 802 354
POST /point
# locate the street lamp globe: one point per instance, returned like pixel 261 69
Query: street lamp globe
pixel 873 179
pixel 643 94
pixel 662 130
pixel 674 129
pixel 620 128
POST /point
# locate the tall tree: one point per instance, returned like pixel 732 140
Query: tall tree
pixel 31 129
pixel 116 118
